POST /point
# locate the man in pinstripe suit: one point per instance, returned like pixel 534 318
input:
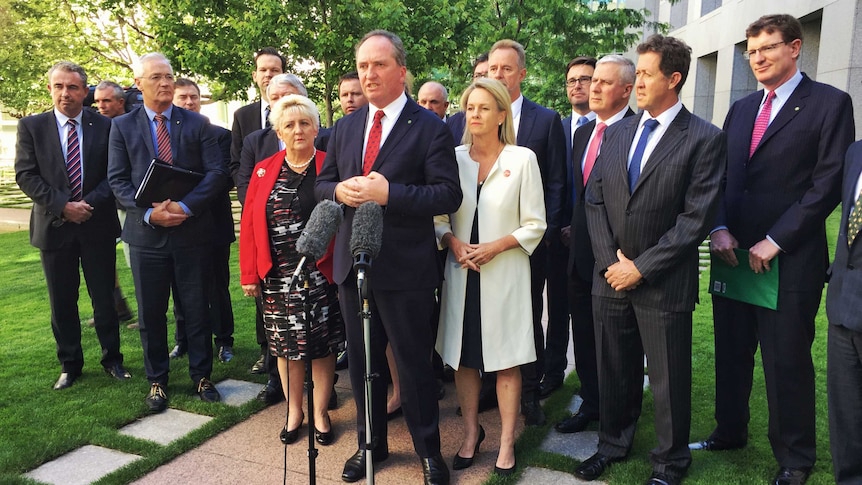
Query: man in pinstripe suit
pixel 651 201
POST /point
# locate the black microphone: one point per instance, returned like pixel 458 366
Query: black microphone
pixel 367 234
pixel 319 230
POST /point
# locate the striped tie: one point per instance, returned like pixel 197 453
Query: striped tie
pixel 854 222
pixel 163 139
pixel 73 160
pixel 761 123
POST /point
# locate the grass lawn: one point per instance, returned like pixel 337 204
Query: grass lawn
pixel 39 424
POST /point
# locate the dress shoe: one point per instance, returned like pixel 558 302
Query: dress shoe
pixel 207 391
pixel 325 438
pixel 157 399
pixel 574 423
pixel 594 466
pixel 66 380
pixel 118 372
pixel 533 413
pixel 290 437
pixel 505 472
pixel 434 470
pixel 177 352
pixel 792 476
pixel 712 444
pixel 548 386
pixel 459 462
pixel 225 353
pixel 271 393
pixel 354 467
pixel 659 478
pixel 133 326
pixel 259 366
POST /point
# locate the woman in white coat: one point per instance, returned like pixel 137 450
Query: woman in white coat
pixel 485 321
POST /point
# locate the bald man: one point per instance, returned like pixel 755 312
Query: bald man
pixel 434 97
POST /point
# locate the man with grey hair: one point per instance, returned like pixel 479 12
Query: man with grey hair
pixel 110 99
pixel 61 160
pixel 609 92
pixel 171 240
pixel 434 97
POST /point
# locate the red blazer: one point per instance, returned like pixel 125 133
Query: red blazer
pixel 255 258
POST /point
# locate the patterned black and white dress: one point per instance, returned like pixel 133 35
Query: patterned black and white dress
pixel 282 310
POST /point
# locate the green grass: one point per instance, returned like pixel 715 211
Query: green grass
pixel 39 424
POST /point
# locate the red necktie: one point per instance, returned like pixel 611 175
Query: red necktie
pixel 593 151
pixel 163 139
pixel 372 148
pixel 73 160
pixel 761 123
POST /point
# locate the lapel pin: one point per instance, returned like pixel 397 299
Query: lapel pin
pixel 506 173
pixel 409 121
pixel 178 122
pixel 261 172
pixel 796 108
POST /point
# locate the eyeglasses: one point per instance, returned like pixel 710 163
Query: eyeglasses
pixel 157 78
pixel 762 50
pixel 571 82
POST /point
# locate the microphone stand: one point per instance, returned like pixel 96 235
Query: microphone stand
pixel 363 261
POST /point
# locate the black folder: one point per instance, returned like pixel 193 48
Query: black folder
pixel 165 181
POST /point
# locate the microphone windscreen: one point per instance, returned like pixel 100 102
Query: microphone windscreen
pixel 367 233
pixel 319 230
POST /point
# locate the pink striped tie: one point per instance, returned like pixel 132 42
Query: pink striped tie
pixel 163 138
pixel 761 123
pixel 73 160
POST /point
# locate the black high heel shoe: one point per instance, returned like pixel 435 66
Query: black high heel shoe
pixel 290 437
pixel 325 438
pixel 505 472
pixel 459 462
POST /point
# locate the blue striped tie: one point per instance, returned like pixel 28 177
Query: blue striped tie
pixel 73 160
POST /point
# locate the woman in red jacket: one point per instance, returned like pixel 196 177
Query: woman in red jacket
pixel 278 203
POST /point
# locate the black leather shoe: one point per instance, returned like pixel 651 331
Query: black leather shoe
pixel 271 393
pixel 66 380
pixel 594 467
pixel 459 462
pixel 290 437
pixel 259 366
pixel 207 391
pixel 548 386
pixel 434 470
pixel 658 478
pixel 792 476
pixel 574 423
pixel 325 438
pixel 505 472
pixel 118 372
pixel 533 413
pixel 354 467
pixel 157 399
pixel 712 444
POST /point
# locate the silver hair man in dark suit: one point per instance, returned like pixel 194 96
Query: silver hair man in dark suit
pixel 651 200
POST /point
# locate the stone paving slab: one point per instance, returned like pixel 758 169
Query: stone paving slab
pixel 165 427
pixel 579 446
pixel 82 466
pixel 532 476
pixel 236 393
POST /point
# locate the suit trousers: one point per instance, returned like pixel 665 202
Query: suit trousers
pixel 403 319
pixel 153 270
pixel 624 332
pixel 785 338
pixel 584 340
pixel 844 389
pixel 531 373
pixel 557 337
pixel 97 260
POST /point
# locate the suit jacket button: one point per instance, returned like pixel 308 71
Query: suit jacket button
pixel 850 267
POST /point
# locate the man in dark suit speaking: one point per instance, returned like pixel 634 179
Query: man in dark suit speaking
pixel 785 147
pixel 412 172
pixel 651 200
pixel 172 240
pixel 61 161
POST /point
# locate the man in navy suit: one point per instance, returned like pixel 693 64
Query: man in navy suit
pixel 540 130
pixel 457 121
pixel 61 161
pixel 415 177
pixel 609 92
pixel 844 351
pixel 172 240
pixel 785 147
pixel 651 199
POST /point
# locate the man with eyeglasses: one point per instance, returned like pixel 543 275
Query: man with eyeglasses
pixel 171 241
pixel 457 121
pixel 539 129
pixel 785 147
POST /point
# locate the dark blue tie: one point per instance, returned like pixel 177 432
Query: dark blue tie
pixel 637 158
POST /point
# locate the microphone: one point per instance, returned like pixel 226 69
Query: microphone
pixel 319 230
pixel 367 235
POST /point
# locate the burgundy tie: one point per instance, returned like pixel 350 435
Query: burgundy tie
pixel 163 138
pixel 73 160
pixel 761 123
pixel 593 151
pixel 372 148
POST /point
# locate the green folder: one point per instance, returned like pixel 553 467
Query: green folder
pixel 742 284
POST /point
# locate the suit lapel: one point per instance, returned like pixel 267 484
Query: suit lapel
pixel 528 120
pixel 89 138
pixel 675 134
pixel 794 105
pixel 402 125
pixel 146 132
pixel 627 133
pixel 579 149
pixel 177 125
